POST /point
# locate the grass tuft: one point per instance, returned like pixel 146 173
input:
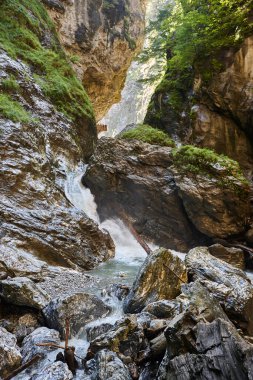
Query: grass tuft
pixel 148 134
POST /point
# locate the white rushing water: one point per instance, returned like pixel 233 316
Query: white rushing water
pixel 128 252
pixel 138 89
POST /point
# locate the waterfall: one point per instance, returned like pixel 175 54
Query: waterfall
pixel 138 90
pixel 128 251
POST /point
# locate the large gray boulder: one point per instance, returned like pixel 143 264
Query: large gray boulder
pixel 10 356
pixel 54 371
pixel 228 285
pixel 79 308
pixel 135 177
pixel 107 366
pixel 217 352
pixel 23 292
pixel 159 278
pixel 41 335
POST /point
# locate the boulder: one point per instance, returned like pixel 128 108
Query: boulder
pixel 164 308
pixel 126 338
pixel 159 278
pixel 228 285
pixel 217 352
pixel 79 308
pixel 54 371
pixel 233 256
pixel 23 292
pixel 26 324
pixel 107 366
pixel 10 356
pixel 134 179
pixel 216 203
pixel 40 335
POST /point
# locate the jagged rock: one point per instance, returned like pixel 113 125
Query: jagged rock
pixel 95 331
pixel 228 285
pixel 160 277
pixel 216 210
pixel 10 356
pixel 40 335
pixel 126 338
pixel 37 219
pixel 233 256
pixel 55 371
pixel 79 308
pixel 149 371
pixel 27 323
pixel 217 352
pixel 164 308
pixel 106 365
pixel 135 178
pixel 24 292
pixel 105 37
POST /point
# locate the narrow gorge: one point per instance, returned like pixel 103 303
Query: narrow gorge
pixel 126 190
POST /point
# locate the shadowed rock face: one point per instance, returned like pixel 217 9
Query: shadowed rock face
pixel 164 202
pixel 35 157
pixel 104 35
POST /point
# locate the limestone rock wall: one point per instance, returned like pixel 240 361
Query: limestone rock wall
pixel 102 37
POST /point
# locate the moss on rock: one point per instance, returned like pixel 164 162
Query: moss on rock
pixel 27 33
pixel 148 134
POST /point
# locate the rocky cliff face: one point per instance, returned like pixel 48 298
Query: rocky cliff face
pixel 39 146
pixel 216 115
pixel 103 37
pixel 169 195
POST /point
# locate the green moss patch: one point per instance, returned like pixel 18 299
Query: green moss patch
pixel 26 32
pixel 190 159
pixel 13 110
pixel 148 134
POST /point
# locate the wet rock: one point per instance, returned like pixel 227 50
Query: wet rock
pixel 228 285
pixel 149 371
pixel 37 219
pixel 233 256
pixel 160 277
pixel 218 352
pixel 79 308
pixel 10 356
pixel 24 292
pixel 135 178
pixel 40 335
pixel 95 331
pixel 27 323
pixel 55 371
pixel 107 365
pixel 215 209
pixel 164 308
pixel 126 338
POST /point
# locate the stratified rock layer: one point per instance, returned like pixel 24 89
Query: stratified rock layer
pixel 37 219
pixel 229 285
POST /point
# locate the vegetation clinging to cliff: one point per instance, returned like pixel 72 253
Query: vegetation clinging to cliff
pixel 26 32
pixel 190 159
pixel 146 133
pixel 194 35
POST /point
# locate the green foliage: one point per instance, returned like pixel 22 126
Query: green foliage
pixel 13 110
pixel 9 84
pixel 191 159
pixel 23 25
pixel 146 133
